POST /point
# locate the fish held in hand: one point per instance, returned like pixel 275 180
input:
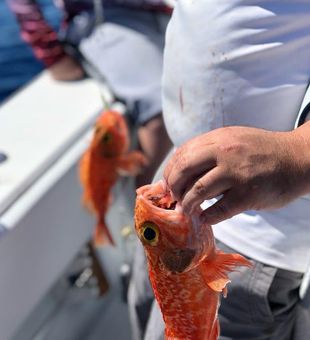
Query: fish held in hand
pixel 106 158
pixel 187 272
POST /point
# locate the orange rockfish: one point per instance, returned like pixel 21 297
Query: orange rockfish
pixel 101 164
pixel 187 272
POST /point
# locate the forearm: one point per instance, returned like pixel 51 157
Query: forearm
pixel 36 31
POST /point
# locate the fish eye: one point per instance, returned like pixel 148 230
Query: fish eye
pixel 106 138
pixel 150 233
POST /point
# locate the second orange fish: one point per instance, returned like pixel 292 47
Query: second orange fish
pixel 106 158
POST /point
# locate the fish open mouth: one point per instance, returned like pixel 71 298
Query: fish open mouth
pixel 160 197
pixel 162 202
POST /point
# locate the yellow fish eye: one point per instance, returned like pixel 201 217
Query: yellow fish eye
pixel 150 233
pixel 106 138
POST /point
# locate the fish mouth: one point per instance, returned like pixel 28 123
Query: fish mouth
pixel 178 260
pixel 159 200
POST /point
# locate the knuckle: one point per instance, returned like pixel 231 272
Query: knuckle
pixel 199 188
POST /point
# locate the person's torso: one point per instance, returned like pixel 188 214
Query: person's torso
pixel 235 62
pixel 242 62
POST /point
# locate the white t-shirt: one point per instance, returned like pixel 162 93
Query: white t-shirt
pixel 242 62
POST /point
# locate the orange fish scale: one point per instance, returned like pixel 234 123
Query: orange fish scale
pixel 182 299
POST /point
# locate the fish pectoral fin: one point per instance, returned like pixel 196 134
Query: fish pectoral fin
pixel 215 279
pixel 218 285
pixel 131 164
pixel 216 269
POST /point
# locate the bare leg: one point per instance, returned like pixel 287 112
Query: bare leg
pixel 155 144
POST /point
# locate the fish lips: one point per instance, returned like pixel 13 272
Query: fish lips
pixel 178 260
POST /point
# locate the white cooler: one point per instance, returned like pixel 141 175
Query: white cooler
pixel 42 223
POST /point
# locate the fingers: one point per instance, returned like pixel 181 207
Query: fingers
pixel 211 185
pixel 228 206
pixel 188 163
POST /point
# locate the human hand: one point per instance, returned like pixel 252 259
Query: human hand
pixel 67 69
pixel 254 169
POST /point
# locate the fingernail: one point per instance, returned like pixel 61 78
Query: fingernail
pixel 163 184
pixel 178 208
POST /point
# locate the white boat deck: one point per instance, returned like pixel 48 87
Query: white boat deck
pixel 44 130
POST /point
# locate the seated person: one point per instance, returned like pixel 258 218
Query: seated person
pixel 118 42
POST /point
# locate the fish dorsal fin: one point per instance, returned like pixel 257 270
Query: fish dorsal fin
pixel 215 270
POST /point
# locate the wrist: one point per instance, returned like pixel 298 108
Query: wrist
pixel 298 149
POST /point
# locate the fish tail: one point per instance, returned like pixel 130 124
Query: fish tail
pixel 102 235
